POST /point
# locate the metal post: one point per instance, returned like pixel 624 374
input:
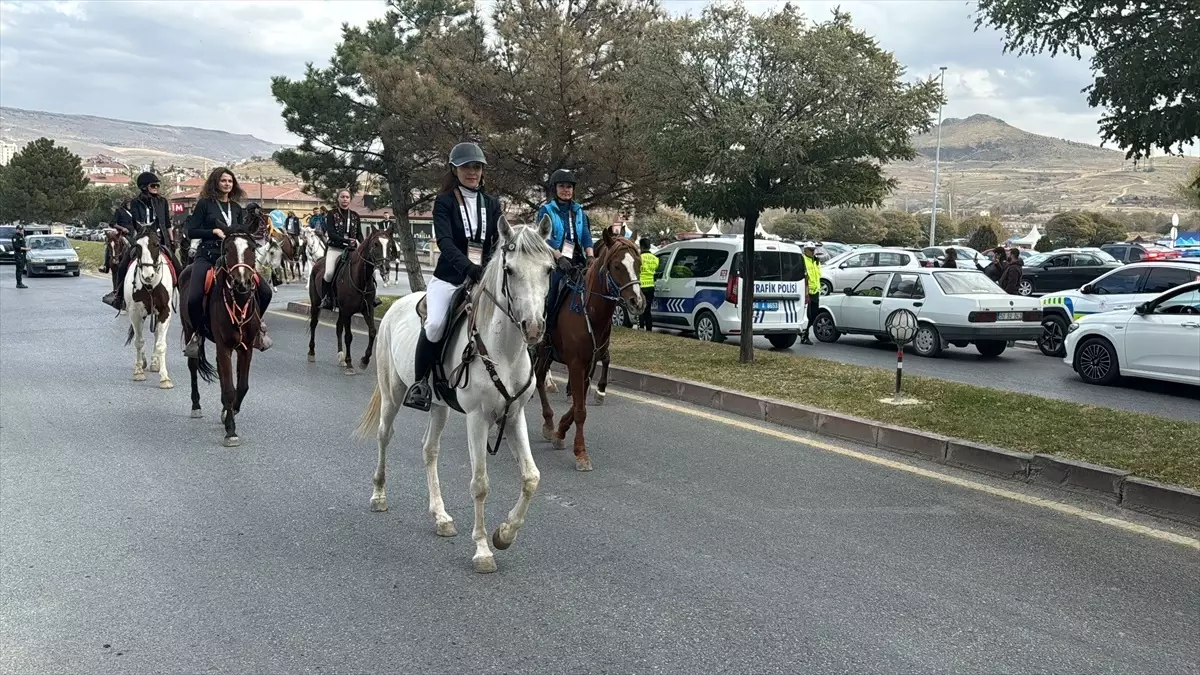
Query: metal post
pixel 937 161
pixel 899 368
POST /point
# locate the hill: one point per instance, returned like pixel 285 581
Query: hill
pixel 131 142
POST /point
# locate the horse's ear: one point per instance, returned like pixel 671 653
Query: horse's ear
pixel 545 225
pixel 607 236
pixel 503 227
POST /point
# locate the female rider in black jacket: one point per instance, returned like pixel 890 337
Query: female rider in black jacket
pixel 217 214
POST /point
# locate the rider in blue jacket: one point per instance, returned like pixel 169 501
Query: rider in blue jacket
pixel 570 236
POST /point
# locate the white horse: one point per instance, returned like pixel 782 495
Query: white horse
pixel 148 292
pixel 314 247
pixel 508 318
pixel 268 256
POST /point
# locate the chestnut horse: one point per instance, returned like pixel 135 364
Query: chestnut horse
pixel 233 323
pixel 354 293
pixel 115 244
pixel 581 335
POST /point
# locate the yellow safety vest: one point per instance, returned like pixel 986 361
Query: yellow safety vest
pixel 812 268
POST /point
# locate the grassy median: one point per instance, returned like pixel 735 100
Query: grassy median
pixel 1149 446
pixel 91 254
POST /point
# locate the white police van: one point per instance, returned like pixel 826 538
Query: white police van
pixel 697 289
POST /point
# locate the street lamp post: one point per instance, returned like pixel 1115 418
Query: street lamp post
pixel 937 161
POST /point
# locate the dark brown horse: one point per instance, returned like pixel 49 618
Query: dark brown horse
pixel 233 323
pixel 290 264
pixel 581 335
pixel 115 244
pixel 354 293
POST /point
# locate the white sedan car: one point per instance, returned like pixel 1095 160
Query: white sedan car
pixel 1158 339
pixel 847 270
pixel 952 306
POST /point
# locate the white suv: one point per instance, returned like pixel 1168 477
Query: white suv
pixel 697 285
pixel 1158 339
pixel 1122 288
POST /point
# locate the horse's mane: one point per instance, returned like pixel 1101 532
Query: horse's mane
pixel 606 252
pixel 526 240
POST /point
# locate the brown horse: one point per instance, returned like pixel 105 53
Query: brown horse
pixel 291 255
pixel 581 335
pixel 354 293
pixel 233 322
pixel 115 244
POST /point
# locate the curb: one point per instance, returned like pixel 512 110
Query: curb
pixel 1112 485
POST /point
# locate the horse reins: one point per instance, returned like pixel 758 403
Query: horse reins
pixel 243 314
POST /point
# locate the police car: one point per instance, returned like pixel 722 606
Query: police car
pixel 1123 288
pixel 697 289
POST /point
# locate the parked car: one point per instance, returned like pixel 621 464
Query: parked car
pixel 1131 252
pixel 966 256
pixel 51 254
pixel 848 270
pixel 6 247
pixel 697 285
pixel 1122 288
pixel 1158 339
pixel 959 307
pixel 1063 269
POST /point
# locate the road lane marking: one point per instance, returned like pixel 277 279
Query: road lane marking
pixel 1153 533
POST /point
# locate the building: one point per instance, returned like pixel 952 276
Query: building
pixel 109 179
pixel 7 151
pixel 103 164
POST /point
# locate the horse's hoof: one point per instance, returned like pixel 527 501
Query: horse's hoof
pixel 379 504
pixel 583 464
pixel 312 358
pixel 232 442
pixel 166 384
pixel 364 363
pixel 447 529
pixel 558 443
pixel 153 368
pixel 139 377
pixel 548 433
pixel 351 371
pixel 599 398
pixel 484 565
pixel 341 356
pixel 499 542
pixel 197 414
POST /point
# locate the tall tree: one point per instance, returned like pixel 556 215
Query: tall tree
pixel 1145 61
pixel 1070 229
pixel 812 225
pixel 856 226
pixel 900 229
pixel 983 232
pixel 1189 189
pixel 554 95
pixel 42 183
pixel 662 223
pixel 376 110
pixel 769 111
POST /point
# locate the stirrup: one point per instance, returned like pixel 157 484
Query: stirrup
pixel 191 350
pixel 419 396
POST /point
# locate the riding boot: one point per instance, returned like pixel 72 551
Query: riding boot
pixel 420 394
pixel 117 297
pixel 327 300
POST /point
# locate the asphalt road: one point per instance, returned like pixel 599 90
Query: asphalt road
pixel 131 541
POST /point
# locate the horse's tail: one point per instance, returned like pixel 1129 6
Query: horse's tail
pixel 129 337
pixel 368 424
pixel 203 367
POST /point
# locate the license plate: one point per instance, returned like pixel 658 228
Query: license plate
pixel 764 305
pixel 1010 316
pixel 56 268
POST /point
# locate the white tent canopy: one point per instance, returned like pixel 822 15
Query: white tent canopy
pixel 1029 240
pixel 714 229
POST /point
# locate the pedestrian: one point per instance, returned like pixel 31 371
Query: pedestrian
pixel 19 250
pixel 1010 278
pixel 217 214
pixel 995 268
pixel 570 236
pixel 812 277
pixel 649 267
pixel 951 261
pixel 464 217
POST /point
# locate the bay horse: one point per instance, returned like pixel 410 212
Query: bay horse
pixel 354 293
pixel 486 352
pixel 581 335
pixel 233 323
pixel 115 245
pixel 289 256
pixel 148 292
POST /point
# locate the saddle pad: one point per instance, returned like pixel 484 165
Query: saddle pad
pixel 209 278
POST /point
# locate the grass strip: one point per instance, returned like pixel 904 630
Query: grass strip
pixel 1151 447
pixel 91 254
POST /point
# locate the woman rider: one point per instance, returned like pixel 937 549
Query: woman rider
pixel 464 217
pixel 216 215
pixel 344 229
pixel 570 236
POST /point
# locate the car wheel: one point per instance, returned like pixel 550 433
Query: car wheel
pixel 782 341
pixel 826 287
pixel 927 342
pixel 1054 336
pixel 707 329
pixel 1026 287
pixel 75 273
pixel 1096 361
pixel 825 329
pixel 991 348
pixel 618 317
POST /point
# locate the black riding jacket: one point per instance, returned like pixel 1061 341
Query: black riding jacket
pixel 342 226
pixel 209 216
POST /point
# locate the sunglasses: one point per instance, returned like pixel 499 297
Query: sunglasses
pixel 153 185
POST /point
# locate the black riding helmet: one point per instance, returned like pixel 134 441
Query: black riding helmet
pixel 562 176
pixel 145 179
pixel 466 153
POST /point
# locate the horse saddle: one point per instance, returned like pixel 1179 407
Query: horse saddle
pixel 440 381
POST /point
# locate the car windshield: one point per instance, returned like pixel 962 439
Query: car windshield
pixel 966 283
pixel 7 232
pixel 774 265
pixel 48 243
pixel 1037 259
pixel 1103 256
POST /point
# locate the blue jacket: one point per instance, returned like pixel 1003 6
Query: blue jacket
pixel 560 218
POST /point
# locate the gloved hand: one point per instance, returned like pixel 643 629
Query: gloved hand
pixel 564 263
pixel 475 272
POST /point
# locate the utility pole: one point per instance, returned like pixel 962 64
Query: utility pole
pixel 937 161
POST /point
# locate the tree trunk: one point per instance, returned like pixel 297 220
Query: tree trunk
pixel 747 338
pixel 401 204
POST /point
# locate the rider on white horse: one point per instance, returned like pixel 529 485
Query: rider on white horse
pixel 463 215
pixel 147 211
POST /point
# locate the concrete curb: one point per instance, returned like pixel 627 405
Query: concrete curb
pixel 1113 485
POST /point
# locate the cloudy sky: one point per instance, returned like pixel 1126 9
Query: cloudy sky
pixel 209 64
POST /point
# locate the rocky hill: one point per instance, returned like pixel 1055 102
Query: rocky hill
pixel 131 142
pixel 986 139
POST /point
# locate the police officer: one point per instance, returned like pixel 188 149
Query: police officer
pixel 570 236
pixel 812 284
pixel 19 251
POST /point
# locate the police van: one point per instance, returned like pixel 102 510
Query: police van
pixel 697 289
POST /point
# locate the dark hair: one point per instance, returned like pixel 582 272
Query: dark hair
pixel 450 181
pixel 1014 253
pixel 644 243
pixel 999 251
pixel 212 186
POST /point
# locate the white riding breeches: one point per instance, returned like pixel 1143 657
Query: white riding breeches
pixel 437 307
pixel 331 258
